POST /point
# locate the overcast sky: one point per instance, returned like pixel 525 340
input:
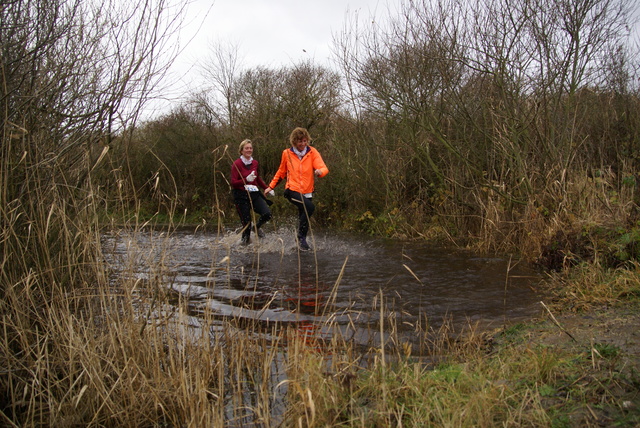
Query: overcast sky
pixel 269 33
pixel 276 32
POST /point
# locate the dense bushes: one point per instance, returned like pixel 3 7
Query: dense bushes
pixel 484 125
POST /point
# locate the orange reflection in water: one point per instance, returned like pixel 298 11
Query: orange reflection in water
pixel 307 298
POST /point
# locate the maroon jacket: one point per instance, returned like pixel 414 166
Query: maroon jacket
pixel 239 172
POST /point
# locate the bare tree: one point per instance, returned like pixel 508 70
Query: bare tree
pixel 74 73
pixel 273 102
pixel 486 98
pixel 222 69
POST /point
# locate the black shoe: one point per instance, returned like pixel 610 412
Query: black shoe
pixel 260 233
pixel 245 240
pixel 303 244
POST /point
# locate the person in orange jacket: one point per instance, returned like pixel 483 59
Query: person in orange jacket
pixel 300 165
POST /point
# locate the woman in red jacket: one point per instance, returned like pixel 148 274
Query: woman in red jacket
pixel 245 185
pixel 300 165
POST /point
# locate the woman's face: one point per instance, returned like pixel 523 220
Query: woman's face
pixel 301 144
pixel 247 150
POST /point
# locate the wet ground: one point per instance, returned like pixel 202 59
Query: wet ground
pixel 349 282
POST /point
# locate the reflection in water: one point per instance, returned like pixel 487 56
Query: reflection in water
pixel 339 286
pixel 306 298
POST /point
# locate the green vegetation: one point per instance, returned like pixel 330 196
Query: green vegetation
pixel 509 127
pixel 503 147
pixel 532 374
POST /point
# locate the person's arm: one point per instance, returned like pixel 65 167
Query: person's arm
pixel 280 174
pixel 237 181
pixel 319 167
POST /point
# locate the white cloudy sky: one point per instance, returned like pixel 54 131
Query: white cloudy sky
pixel 269 33
pixel 277 31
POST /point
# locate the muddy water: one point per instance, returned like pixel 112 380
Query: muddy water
pixel 350 282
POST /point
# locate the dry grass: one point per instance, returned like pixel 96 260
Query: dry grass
pixel 82 348
pixel 122 353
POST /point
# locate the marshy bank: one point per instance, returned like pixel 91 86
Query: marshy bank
pixel 191 329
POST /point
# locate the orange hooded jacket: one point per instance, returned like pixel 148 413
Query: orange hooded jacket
pixel 299 172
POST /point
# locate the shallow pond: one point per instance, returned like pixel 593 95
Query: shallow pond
pixel 350 282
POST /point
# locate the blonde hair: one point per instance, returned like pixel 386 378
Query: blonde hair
pixel 244 143
pixel 299 134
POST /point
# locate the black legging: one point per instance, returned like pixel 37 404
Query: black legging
pixel 305 210
pixel 244 205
